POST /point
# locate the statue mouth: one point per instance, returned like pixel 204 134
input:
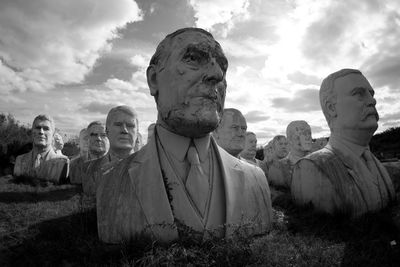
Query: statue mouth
pixel 370 112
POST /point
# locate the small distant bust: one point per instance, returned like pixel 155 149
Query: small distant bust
pixel 231 132
pixel 150 131
pixel 248 154
pixel 78 163
pixel 344 177
pixel 122 131
pixel 98 141
pixel 299 139
pixel 42 162
pixel 58 144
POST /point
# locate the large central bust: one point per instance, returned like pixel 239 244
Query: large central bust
pixel 181 176
pixel 186 76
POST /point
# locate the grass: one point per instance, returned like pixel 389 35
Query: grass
pixel 56 226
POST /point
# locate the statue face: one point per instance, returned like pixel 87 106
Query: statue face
pixel 191 85
pixel 58 142
pixel 250 147
pixel 280 148
pixel 122 131
pixel 355 104
pixel 231 133
pixel 97 139
pixel 305 140
pixel 42 133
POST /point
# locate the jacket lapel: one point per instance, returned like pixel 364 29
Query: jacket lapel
pixel 145 175
pixel 234 184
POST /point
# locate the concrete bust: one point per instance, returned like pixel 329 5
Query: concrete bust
pixel 42 162
pixel 231 132
pixel 345 177
pixel 181 176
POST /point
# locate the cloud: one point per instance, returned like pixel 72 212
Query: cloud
pixel 255 116
pixel 97 107
pixel 219 16
pixel 302 78
pixel 303 101
pixel 48 42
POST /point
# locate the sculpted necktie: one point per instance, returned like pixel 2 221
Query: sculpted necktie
pixel 371 163
pixel 197 182
pixel 37 161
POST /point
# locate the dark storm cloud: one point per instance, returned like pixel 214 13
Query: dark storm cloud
pixel 255 116
pixel 110 67
pixel 303 100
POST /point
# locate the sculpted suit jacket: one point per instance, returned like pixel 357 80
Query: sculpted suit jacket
pixel 132 198
pixel 335 181
pixel 53 168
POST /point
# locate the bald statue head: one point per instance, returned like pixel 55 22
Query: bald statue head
pixel 299 137
pixel 231 132
pixel 186 76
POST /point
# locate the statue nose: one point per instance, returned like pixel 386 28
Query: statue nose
pixel 214 72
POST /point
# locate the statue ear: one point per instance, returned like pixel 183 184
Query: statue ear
pixel 331 108
pixel 152 80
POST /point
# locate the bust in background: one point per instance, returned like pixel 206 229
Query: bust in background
pixel 231 132
pixel 344 177
pixel 299 141
pixel 42 162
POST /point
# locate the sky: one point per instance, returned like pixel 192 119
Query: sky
pixel 76 59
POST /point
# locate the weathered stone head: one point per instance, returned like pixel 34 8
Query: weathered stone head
pixel 348 103
pixel 83 142
pixel 250 146
pixel 43 131
pixel 122 129
pixel 279 147
pixel 299 136
pixel 150 131
pixel 58 142
pixel 231 132
pixel 268 152
pixel 98 141
pixel 186 76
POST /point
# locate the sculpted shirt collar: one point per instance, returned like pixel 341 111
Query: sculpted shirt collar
pixel 343 144
pixel 42 154
pixel 178 145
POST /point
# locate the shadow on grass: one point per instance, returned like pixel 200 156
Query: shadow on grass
pixel 33 197
pixel 371 240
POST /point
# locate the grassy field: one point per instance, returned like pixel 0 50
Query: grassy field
pixel 56 226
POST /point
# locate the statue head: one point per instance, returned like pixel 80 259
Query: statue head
pixel 299 136
pixel 122 129
pixel 83 142
pixel 348 103
pixel 58 142
pixel 186 76
pixel 250 146
pixel 231 132
pixel 279 147
pixel 43 131
pixel 138 143
pixel 98 141
pixel 150 131
pixel 268 152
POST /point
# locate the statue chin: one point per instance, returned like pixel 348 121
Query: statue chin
pixel 192 123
